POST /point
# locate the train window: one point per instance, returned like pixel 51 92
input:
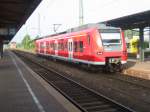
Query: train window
pixel 55 46
pixel 41 45
pixel 59 46
pixel 115 30
pixel 110 36
pixel 47 45
pixel 66 46
pixel 52 46
pixel 88 39
pixel 71 46
pixel 62 46
pixel 81 46
pixel 75 46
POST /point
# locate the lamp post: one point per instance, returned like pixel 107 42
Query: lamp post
pixel 39 27
pixel 55 27
pixel 81 12
pixel 149 37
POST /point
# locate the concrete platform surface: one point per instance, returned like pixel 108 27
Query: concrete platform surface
pixel 138 69
pixel 22 90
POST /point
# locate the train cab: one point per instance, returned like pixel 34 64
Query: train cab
pixel 115 52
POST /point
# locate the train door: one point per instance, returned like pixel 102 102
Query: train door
pixel 44 47
pixel 47 47
pixel 56 47
pixel 70 49
pixel 39 47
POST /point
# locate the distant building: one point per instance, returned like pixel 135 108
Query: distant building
pixel 13 45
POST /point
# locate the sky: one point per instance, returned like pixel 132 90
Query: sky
pixel 66 14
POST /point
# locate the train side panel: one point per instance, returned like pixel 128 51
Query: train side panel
pixel 90 46
pixel 97 49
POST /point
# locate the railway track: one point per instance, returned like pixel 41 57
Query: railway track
pixel 84 98
pixel 130 80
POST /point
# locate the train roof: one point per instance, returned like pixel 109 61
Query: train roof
pixel 80 28
pixel 92 25
pixel 56 34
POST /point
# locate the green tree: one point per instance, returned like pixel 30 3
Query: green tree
pixel 19 45
pixel 37 37
pixel 131 33
pixel 32 44
pixel 26 42
pixel 128 33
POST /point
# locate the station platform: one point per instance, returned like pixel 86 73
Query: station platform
pixel 22 90
pixel 138 69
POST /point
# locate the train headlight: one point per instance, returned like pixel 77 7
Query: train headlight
pixel 114 60
pixel 99 53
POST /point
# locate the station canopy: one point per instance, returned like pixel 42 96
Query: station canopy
pixel 13 14
pixel 137 20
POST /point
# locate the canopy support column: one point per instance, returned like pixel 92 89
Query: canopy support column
pixel 141 44
pixel 1 48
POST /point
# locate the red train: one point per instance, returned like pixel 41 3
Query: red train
pixel 97 47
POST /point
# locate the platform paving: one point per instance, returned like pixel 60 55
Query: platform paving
pixel 22 90
pixel 138 69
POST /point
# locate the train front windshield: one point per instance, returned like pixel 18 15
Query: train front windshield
pixel 111 39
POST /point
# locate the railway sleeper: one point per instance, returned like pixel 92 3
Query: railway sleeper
pixel 92 104
pixel 82 97
pixel 106 110
pixel 85 100
pixel 81 94
pixel 72 89
pixel 75 93
pixel 99 107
